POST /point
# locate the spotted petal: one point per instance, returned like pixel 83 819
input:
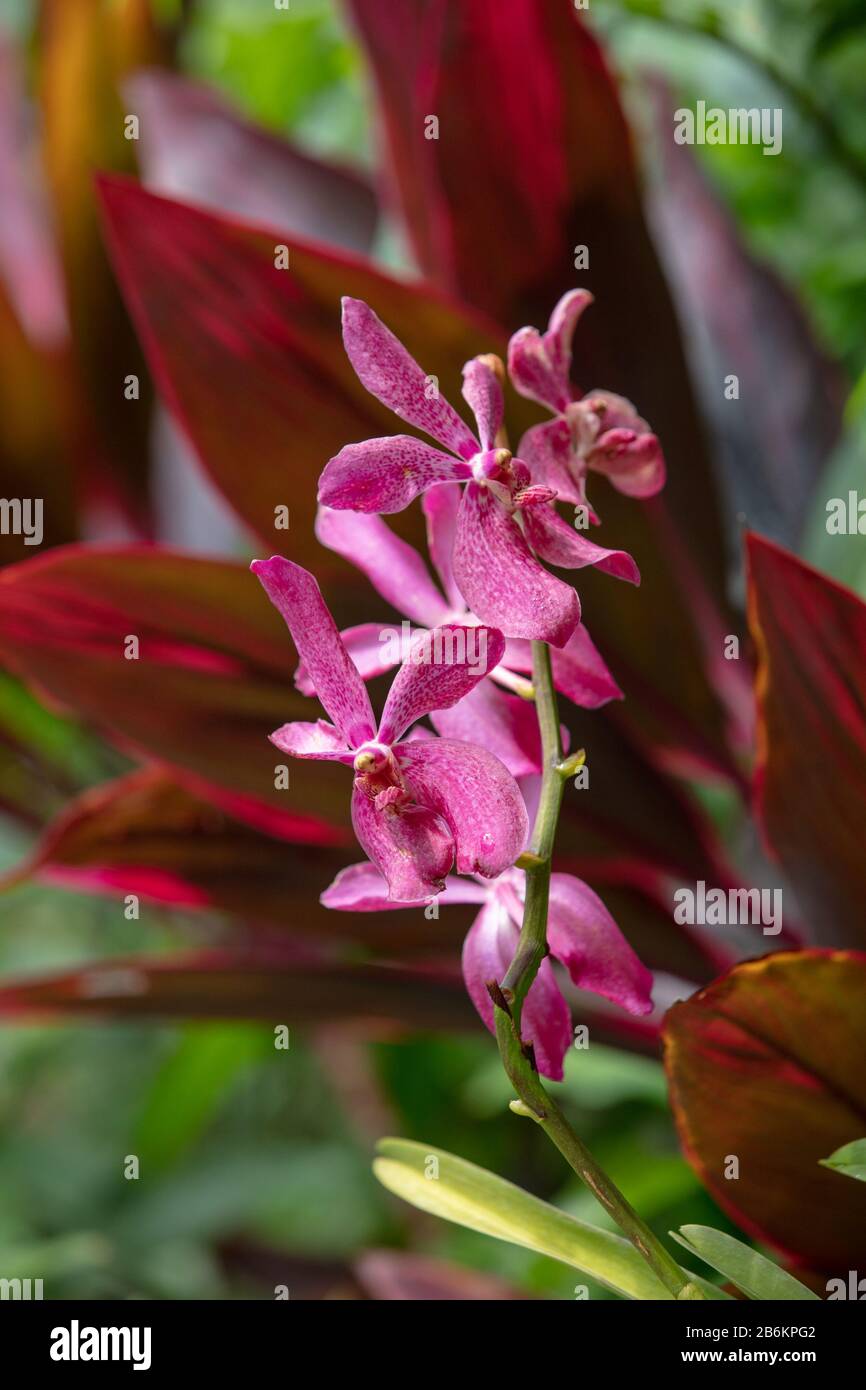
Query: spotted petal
pixel 361 888
pixel 545 1020
pixel 319 740
pixel 579 670
pixel 385 475
pixel 394 569
pixel 503 724
pixel 500 578
pixel 441 506
pixel 539 365
pixel 442 666
pixel 476 796
pixel 409 844
pixel 371 647
pixel 483 394
pixel 295 594
pixel 394 377
pixel 582 934
pixel 560 544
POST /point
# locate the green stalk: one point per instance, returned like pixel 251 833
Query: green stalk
pixel 508 998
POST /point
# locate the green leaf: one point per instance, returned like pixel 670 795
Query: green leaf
pixel 850 1159
pixel 481 1201
pixel 754 1274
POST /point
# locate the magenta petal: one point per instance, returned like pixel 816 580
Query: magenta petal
pixel 582 934
pixel 442 666
pixel 297 597
pixel 319 740
pixel 545 1022
pixel 475 795
pixel 483 395
pixel 539 365
pixel 392 567
pixel 371 647
pixel 410 845
pixel 503 724
pixel 500 578
pixel 561 545
pixel 546 451
pixel 359 888
pixel 385 475
pixel 441 506
pixel 579 670
pixel 633 462
pixel 394 377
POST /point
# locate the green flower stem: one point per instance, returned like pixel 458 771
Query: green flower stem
pixel 508 998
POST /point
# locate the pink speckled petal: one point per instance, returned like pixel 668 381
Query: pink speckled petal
pixel 560 544
pixel 582 934
pixel 546 451
pixel 545 1021
pixel 371 647
pixel 392 567
pixel 483 395
pixel 539 365
pixel 409 844
pixel 500 578
pixel 579 670
pixel 634 462
pixel 319 740
pixel 503 724
pixel 296 596
pixel 394 377
pixel 361 888
pixel 385 475
pixel 441 506
pixel 442 666
pixel 475 794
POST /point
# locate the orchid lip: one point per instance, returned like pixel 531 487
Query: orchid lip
pixel 489 464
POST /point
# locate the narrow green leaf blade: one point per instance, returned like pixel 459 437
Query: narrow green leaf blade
pixel 758 1277
pixel 850 1159
pixel 482 1201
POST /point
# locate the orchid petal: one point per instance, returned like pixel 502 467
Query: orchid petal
pixel 579 670
pixel 361 888
pixel 385 475
pixel 634 462
pixel 546 450
pixel 409 844
pixel 582 934
pixel 545 1020
pixel 318 740
pixel 560 544
pixel 441 505
pixel 393 376
pixel 503 724
pixel 483 394
pixel 540 365
pixel 500 578
pixel 475 795
pixel 371 647
pixel 394 569
pixel 443 665
pixel 296 596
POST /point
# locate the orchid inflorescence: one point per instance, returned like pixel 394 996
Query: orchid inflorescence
pixel 425 803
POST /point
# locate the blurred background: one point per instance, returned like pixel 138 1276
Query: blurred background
pixel 257 1160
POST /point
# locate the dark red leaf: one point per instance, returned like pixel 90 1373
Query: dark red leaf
pixel 810 635
pixel 765 1068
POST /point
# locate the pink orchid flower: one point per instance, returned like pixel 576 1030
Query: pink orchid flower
pixel 581 934
pixel 418 804
pixel 598 431
pixel 504 526
pixel 504 724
